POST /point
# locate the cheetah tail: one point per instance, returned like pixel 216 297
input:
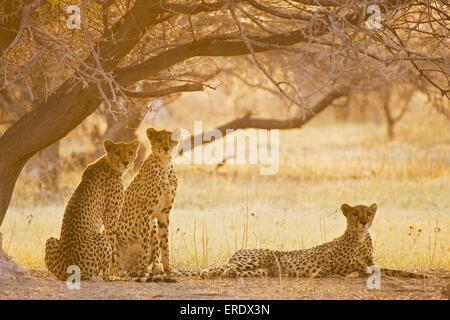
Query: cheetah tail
pixel 208 273
pixel 402 274
pixel 159 277
pixel 186 273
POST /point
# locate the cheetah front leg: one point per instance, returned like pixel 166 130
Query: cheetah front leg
pixel 110 220
pixel 105 256
pixel 163 222
pixel 144 259
pixel 163 235
pixel 155 248
pixel 150 253
pixel 111 215
pixel 113 269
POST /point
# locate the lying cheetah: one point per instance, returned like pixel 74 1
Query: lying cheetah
pixel 350 253
pixel 97 201
pixel 142 230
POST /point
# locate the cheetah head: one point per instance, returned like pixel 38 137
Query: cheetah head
pixel 163 142
pixel 120 154
pixel 360 217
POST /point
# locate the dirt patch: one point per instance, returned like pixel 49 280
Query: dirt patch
pixel 41 285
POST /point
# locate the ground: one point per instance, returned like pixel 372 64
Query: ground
pixel 40 285
pixel 220 210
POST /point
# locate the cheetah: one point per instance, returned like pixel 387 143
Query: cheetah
pixel 96 202
pixel 142 229
pixel 345 255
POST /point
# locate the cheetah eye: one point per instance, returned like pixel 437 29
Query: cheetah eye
pixel 117 153
pixel 130 153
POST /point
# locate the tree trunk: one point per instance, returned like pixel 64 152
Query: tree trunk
pixel 47 166
pixel 10 172
pixel 46 124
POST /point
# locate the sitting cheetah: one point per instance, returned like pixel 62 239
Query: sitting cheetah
pixel 350 253
pixel 142 230
pixel 97 201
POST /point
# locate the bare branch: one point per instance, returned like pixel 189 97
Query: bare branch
pixel 280 14
pixel 192 8
pixel 225 45
pixel 190 87
pixel 247 121
pixel 9 38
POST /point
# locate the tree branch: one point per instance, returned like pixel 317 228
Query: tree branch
pixel 280 14
pixel 212 46
pixel 247 122
pixel 164 92
pixel 13 24
pixel 193 8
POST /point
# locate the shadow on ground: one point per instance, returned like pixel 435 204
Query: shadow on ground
pixel 41 285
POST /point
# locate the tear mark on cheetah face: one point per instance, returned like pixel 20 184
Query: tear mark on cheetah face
pixel 163 142
pixel 120 155
pixel 360 217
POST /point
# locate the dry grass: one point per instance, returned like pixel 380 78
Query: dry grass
pixel 321 166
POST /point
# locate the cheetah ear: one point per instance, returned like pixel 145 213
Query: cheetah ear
pixel 151 133
pixel 373 208
pixel 108 144
pixel 346 209
pixel 134 145
pixel 176 135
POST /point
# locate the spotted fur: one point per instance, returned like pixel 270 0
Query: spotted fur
pixel 345 255
pixel 96 202
pixel 142 230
